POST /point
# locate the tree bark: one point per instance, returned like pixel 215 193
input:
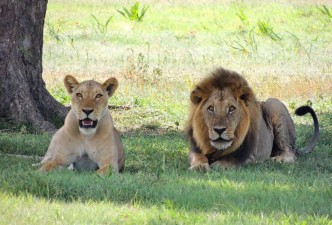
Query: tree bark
pixel 23 95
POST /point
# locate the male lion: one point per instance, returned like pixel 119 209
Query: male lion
pixel 88 137
pixel 228 127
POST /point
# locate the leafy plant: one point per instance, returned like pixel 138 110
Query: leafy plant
pixel 101 27
pixel 134 14
pixel 54 30
pixel 267 30
pixel 246 45
pixel 298 46
pixel 242 17
pixel 325 11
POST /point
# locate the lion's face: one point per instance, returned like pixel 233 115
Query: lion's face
pixel 222 115
pixel 89 101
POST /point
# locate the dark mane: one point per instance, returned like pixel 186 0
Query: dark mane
pixel 221 79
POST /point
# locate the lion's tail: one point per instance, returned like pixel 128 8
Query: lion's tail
pixel 302 110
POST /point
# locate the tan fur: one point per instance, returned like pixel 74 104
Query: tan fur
pixel 79 138
pixel 228 127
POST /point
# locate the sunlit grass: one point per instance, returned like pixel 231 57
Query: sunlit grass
pixel 99 213
pixel 186 42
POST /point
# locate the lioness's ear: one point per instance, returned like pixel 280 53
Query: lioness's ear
pixel 196 95
pixel 70 83
pixel 110 85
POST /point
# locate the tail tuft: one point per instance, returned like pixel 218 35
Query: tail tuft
pixel 302 110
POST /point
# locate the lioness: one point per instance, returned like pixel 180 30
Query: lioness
pixel 88 137
pixel 228 127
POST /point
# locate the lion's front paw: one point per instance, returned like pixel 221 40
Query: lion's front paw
pixel 223 164
pixel 200 166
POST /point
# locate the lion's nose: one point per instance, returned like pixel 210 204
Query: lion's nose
pixel 219 130
pixel 87 111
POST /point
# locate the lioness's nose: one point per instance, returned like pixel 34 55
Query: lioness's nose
pixel 219 130
pixel 87 111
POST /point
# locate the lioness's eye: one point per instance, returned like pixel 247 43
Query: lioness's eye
pixel 79 95
pixel 211 109
pixel 99 96
pixel 231 109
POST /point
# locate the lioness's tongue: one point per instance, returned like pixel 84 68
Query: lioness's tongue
pixel 87 122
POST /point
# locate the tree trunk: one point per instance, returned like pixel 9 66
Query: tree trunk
pixel 23 95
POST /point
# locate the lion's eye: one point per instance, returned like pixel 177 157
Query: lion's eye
pixel 210 109
pixel 98 96
pixel 79 95
pixel 231 109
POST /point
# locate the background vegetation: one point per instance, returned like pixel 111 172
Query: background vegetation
pixel 284 50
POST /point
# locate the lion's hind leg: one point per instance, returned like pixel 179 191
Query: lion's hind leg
pixel 282 153
pixel 278 118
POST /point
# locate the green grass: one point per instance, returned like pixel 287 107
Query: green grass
pixel 158 61
pixel 156 186
pixel 188 40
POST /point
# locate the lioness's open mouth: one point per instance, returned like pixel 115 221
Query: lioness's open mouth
pixel 88 123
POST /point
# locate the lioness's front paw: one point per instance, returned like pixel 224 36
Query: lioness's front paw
pixel 106 170
pixel 200 166
pixel 102 172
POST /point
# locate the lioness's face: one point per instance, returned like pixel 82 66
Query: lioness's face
pixel 222 114
pixel 89 101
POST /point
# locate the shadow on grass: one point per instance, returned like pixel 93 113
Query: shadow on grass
pixel 261 188
pixel 156 174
